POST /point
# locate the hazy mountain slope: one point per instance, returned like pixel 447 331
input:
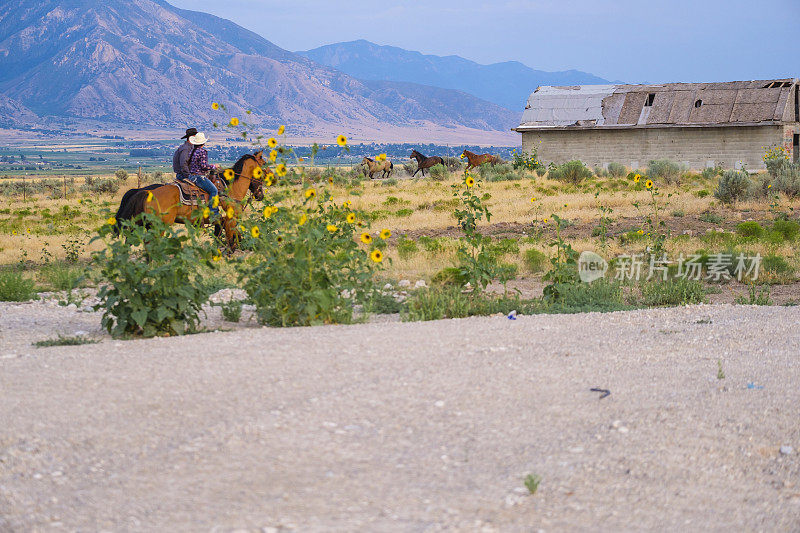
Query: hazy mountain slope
pixel 145 61
pixel 506 84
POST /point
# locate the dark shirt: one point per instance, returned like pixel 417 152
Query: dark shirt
pixel 180 159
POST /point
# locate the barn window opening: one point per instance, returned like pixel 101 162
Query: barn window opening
pixel 698 103
pixel 650 99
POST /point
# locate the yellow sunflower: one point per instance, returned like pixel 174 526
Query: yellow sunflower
pixel 234 122
pixel 149 196
pixel 376 256
pixel 648 184
pixel 272 142
pixel 470 181
pixel 351 218
pixel 269 211
pixel 310 193
pixel 229 174
pixel 280 170
pixel 217 255
pixel 273 155
pixel 111 221
pixel 366 238
pixel 636 178
pixel 330 180
pixel 533 199
pixel 303 220
pixel 341 140
pixel 640 232
pixel 214 106
pixel 385 234
pixel 347 204
pixel 215 202
pixel 255 232
pixel 281 129
pixel 230 212
pixel 331 228
pixel 380 157
pixel 258 172
pixel 206 212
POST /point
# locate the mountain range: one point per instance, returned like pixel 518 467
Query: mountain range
pixel 146 62
pixel 506 84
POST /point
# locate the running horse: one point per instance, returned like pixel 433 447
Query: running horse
pixel 424 162
pixel 373 167
pixel 475 160
pixel 178 201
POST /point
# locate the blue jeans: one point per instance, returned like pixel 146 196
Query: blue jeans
pixel 205 184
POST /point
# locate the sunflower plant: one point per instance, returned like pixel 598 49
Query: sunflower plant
pixel 147 276
pixel 312 260
pixel 476 264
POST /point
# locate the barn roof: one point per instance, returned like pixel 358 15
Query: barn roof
pixel 734 103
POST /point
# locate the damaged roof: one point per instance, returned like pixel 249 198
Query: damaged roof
pixel 664 105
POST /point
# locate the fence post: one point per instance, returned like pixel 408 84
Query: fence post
pixel 139 178
pixel 24 185
pixel 65 187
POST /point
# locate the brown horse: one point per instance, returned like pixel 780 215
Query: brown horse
pixel 166 203
pixel 424 162
pixel 373 167
pixel 475 160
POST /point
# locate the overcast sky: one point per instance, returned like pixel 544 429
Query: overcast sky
pixel 629 40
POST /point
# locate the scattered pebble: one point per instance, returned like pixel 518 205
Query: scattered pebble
pixel 787 450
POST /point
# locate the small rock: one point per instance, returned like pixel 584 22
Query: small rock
pixel 787 450
pixel 403 283
pixel 440 403
pixel 622 429
pixel 420 284
pixel 80 333
pixel 388 287
pixel 616 424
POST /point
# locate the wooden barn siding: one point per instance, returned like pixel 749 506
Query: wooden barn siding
pixel 697 146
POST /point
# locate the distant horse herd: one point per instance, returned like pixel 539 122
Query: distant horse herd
pixel 385 167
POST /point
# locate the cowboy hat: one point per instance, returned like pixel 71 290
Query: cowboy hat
pixel 198 139
pixel 189 133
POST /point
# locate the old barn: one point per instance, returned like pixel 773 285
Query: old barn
pixel 697 124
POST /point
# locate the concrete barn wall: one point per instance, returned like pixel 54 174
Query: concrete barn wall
pixel 730 147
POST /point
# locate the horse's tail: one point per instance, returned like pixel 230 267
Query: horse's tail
pixel 130 209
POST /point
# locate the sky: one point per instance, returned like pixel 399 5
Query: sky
pixel 628 40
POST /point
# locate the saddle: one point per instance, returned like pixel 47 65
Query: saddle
pixel 191 194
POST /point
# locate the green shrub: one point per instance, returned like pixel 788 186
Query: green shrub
pixel 405 212
pixel 61 277
pixel 14 287
pixel 500 172
pixel 750 229
pixel 788 180
pixel 406 248
pixel 535 260
pixel 449 276
pixel 600 295
pixel 679 291
pixel 733 186
pixel 502 247
pixel 617 170
pixel 453 164
pixel 146 278
pixel 712 172
pixel 98 185
pixel 755 296
pixel 439 172
pixel 436 304
pixel 664 170
pixel 571 171
pixel 121 175
pixel 788 229
pixel 431 244
pixel 711 218
pixel 232 310
pixel 776 265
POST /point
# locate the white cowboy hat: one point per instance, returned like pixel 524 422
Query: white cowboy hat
pixel 198 139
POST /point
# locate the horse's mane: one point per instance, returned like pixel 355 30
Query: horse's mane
pixel 368 159
pixel 239 165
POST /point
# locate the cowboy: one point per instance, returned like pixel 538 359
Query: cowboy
pixel 180 159
pixel 198 166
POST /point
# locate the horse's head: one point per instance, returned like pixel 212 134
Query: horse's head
pixel 415 154
pixel 365 161
pixel 257 189
pixel 465 153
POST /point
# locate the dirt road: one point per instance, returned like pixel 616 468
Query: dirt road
pixel 409 427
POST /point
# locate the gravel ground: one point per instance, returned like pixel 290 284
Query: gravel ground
pixel 406 427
